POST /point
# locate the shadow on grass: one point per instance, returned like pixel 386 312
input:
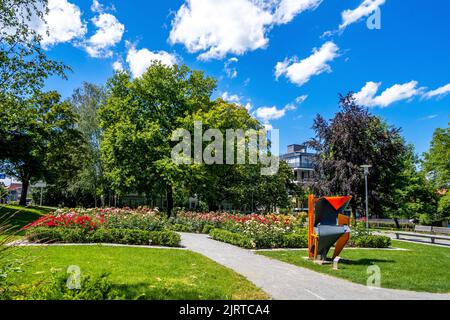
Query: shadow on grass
pixel 365 262
pixel 146 291
pixel 18 217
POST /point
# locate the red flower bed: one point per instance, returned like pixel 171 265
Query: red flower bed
pixel 67 221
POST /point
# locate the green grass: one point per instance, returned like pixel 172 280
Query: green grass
pixel 154 273
pixel 18 216
pixel 421 268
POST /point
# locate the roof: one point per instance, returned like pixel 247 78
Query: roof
pixel 15 186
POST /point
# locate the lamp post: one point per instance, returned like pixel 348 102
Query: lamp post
pixel 366 175
pixel 41 185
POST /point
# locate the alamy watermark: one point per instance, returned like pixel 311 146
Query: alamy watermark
pixel 374 20
pixel 374 279
pixel 74 278
pixel 241 147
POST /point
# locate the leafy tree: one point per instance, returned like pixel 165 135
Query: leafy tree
pixel 241 185
pixel 138 120
pixel 216 183
pixel 437 167
pixel 437 159
pixel 273 191
pixel 24 67
pixel 355 137
pixel 85 103
pixel 23 63
pixel 413 196
pixel 444 208
pixel 43 141
pixel 3 192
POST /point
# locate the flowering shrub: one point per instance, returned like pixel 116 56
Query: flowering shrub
pixel 102 235
pixel 111 218
pixel 199 222
pixel 69 220
pixel 140 226
pixel 264 231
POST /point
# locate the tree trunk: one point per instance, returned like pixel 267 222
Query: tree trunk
pixel 397 224
pixel 23 195
pixel 213 206
pixel 169 201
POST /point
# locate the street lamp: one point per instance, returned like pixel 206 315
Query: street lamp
pixel 366 175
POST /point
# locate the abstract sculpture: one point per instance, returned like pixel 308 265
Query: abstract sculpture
pixel 328 226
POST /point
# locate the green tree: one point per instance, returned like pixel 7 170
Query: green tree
pixel 216 183
pixel 43 143
pixel 88 184
pixel 273 191
pixel 437 167
pixel 355 137
pixel 444 208
pixel 3 192
pixel 138 120
pixel 413 196
pixel 437 159
pixel 23 63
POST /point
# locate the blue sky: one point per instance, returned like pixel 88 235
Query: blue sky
pixel 404 66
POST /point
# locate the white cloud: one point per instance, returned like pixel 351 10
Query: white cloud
pixel 109 33
pixel 398 92
pixel 430 117
pixel 267 114
pixel 363 10
pixel 140 60
pixel 118 66
pixel 218 27
pixel 288 9
pixel 366 96
pixel 301 99
pixel 234 98
pixel 231 70
pixel 63 23
pixel 438 93
pixel 301 72
pixel 97 6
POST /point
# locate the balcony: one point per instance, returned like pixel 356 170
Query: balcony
pixel 300 165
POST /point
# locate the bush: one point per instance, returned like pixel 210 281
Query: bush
pixel 207 228
pixel 102 235
pixel 165 238
pixel 180 228
pixel 91 288
pixel 294 241
pixel 370 241
pixel 232 238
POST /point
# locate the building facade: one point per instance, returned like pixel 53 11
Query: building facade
pixel 301 162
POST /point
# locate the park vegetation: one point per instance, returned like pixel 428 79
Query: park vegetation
pixel 112 140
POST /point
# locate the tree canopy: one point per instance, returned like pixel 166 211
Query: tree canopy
pixel 355 137
pixel 43 142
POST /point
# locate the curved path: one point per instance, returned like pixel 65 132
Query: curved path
pixel 283 281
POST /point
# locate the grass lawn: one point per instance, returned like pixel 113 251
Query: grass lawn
pixel 421 268
pixel 156 273
pixel 21 216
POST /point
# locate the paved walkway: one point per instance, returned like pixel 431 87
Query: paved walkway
pixel 284 281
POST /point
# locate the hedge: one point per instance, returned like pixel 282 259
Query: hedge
pixel 370 241
pixel 102 235
pixel 294 241
pixel 232 238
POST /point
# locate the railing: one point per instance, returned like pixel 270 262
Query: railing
pixel 301 165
